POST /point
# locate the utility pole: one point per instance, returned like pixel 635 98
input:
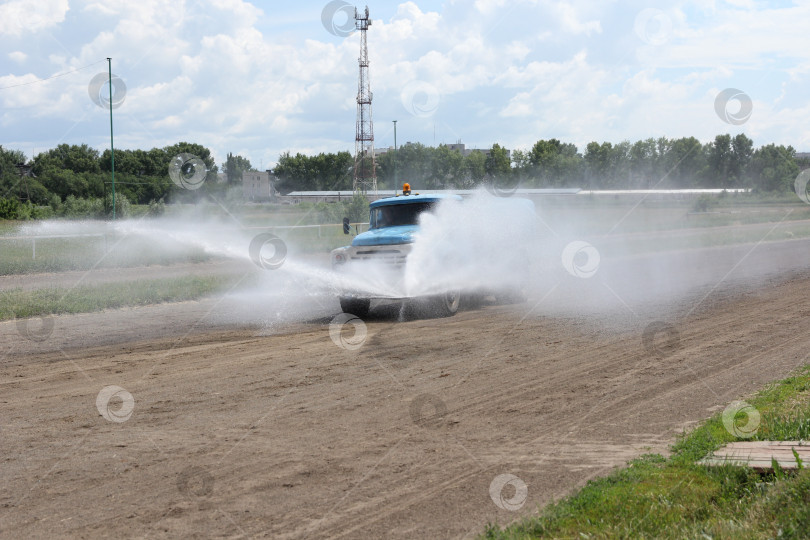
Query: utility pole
pixel 112 148
pixel 396 182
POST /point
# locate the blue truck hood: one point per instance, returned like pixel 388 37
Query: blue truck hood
pixel 401 234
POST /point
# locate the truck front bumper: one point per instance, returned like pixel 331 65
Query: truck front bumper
pixel 372 268
pixel 391 257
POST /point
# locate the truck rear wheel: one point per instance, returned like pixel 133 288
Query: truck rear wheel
pixel 446 304
pixel 355 306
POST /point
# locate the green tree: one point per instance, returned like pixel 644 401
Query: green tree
pixel 234 167
pixel 598 169
pixel 9 208
pixel 68 170
pixel 520 159
pixel 324 172
pixel 643 164
pixel 498 164
pixel 76 158
pixel 333 171
pixel 9 173
pixel 142 176
pixel 414 164
pixel 555 164
pixel 621 162
pixel 446 168
pixel 720 159
pixel 64 182
pixel 742 149
pixel 773 168
pixel 293 174
pixel 608 166
pixel 210 186
pixel 662 165
pixel 474 170
pixel 686 163
pixel 385 170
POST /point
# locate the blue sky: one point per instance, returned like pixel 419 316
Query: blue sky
pixel 261 78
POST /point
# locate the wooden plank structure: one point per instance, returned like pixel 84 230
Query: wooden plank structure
pixel 758 454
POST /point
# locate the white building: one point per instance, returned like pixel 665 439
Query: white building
pixel 258 185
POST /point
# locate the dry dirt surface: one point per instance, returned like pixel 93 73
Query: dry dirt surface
pixel 402 430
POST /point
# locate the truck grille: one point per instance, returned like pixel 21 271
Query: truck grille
pixel 394 257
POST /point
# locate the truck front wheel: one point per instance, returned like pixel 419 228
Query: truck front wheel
pixel 356 306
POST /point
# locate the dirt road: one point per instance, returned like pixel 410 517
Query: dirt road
pixel 228 431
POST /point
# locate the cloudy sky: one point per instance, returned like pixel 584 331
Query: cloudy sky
pixel 260 78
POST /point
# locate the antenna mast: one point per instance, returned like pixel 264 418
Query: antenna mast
pixel 365 168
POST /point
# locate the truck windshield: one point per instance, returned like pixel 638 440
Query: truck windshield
pixel 398 214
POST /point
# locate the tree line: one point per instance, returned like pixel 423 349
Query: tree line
pixel 80 172
pixel 69 173
pixel 662 163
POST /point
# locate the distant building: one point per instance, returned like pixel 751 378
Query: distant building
pixel 258 186
pixel 803 155
pixel 458 147
pixel 461 147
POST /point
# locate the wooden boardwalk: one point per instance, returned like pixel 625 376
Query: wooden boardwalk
pixel 758 454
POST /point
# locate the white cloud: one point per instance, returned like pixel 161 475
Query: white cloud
pixel 487 7
pixel 571 22
pixel 21 17
pixel 17 56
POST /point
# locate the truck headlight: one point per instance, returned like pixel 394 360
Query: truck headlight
pixel 339 257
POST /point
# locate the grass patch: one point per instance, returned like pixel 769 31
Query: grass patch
pixel 18 303
pixel 675 498
pixel 22 255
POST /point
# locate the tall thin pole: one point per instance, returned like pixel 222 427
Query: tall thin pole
pixel 112 147
pixel 396 183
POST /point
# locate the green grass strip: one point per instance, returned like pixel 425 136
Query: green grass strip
pixel 21 303
pixel 657 497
